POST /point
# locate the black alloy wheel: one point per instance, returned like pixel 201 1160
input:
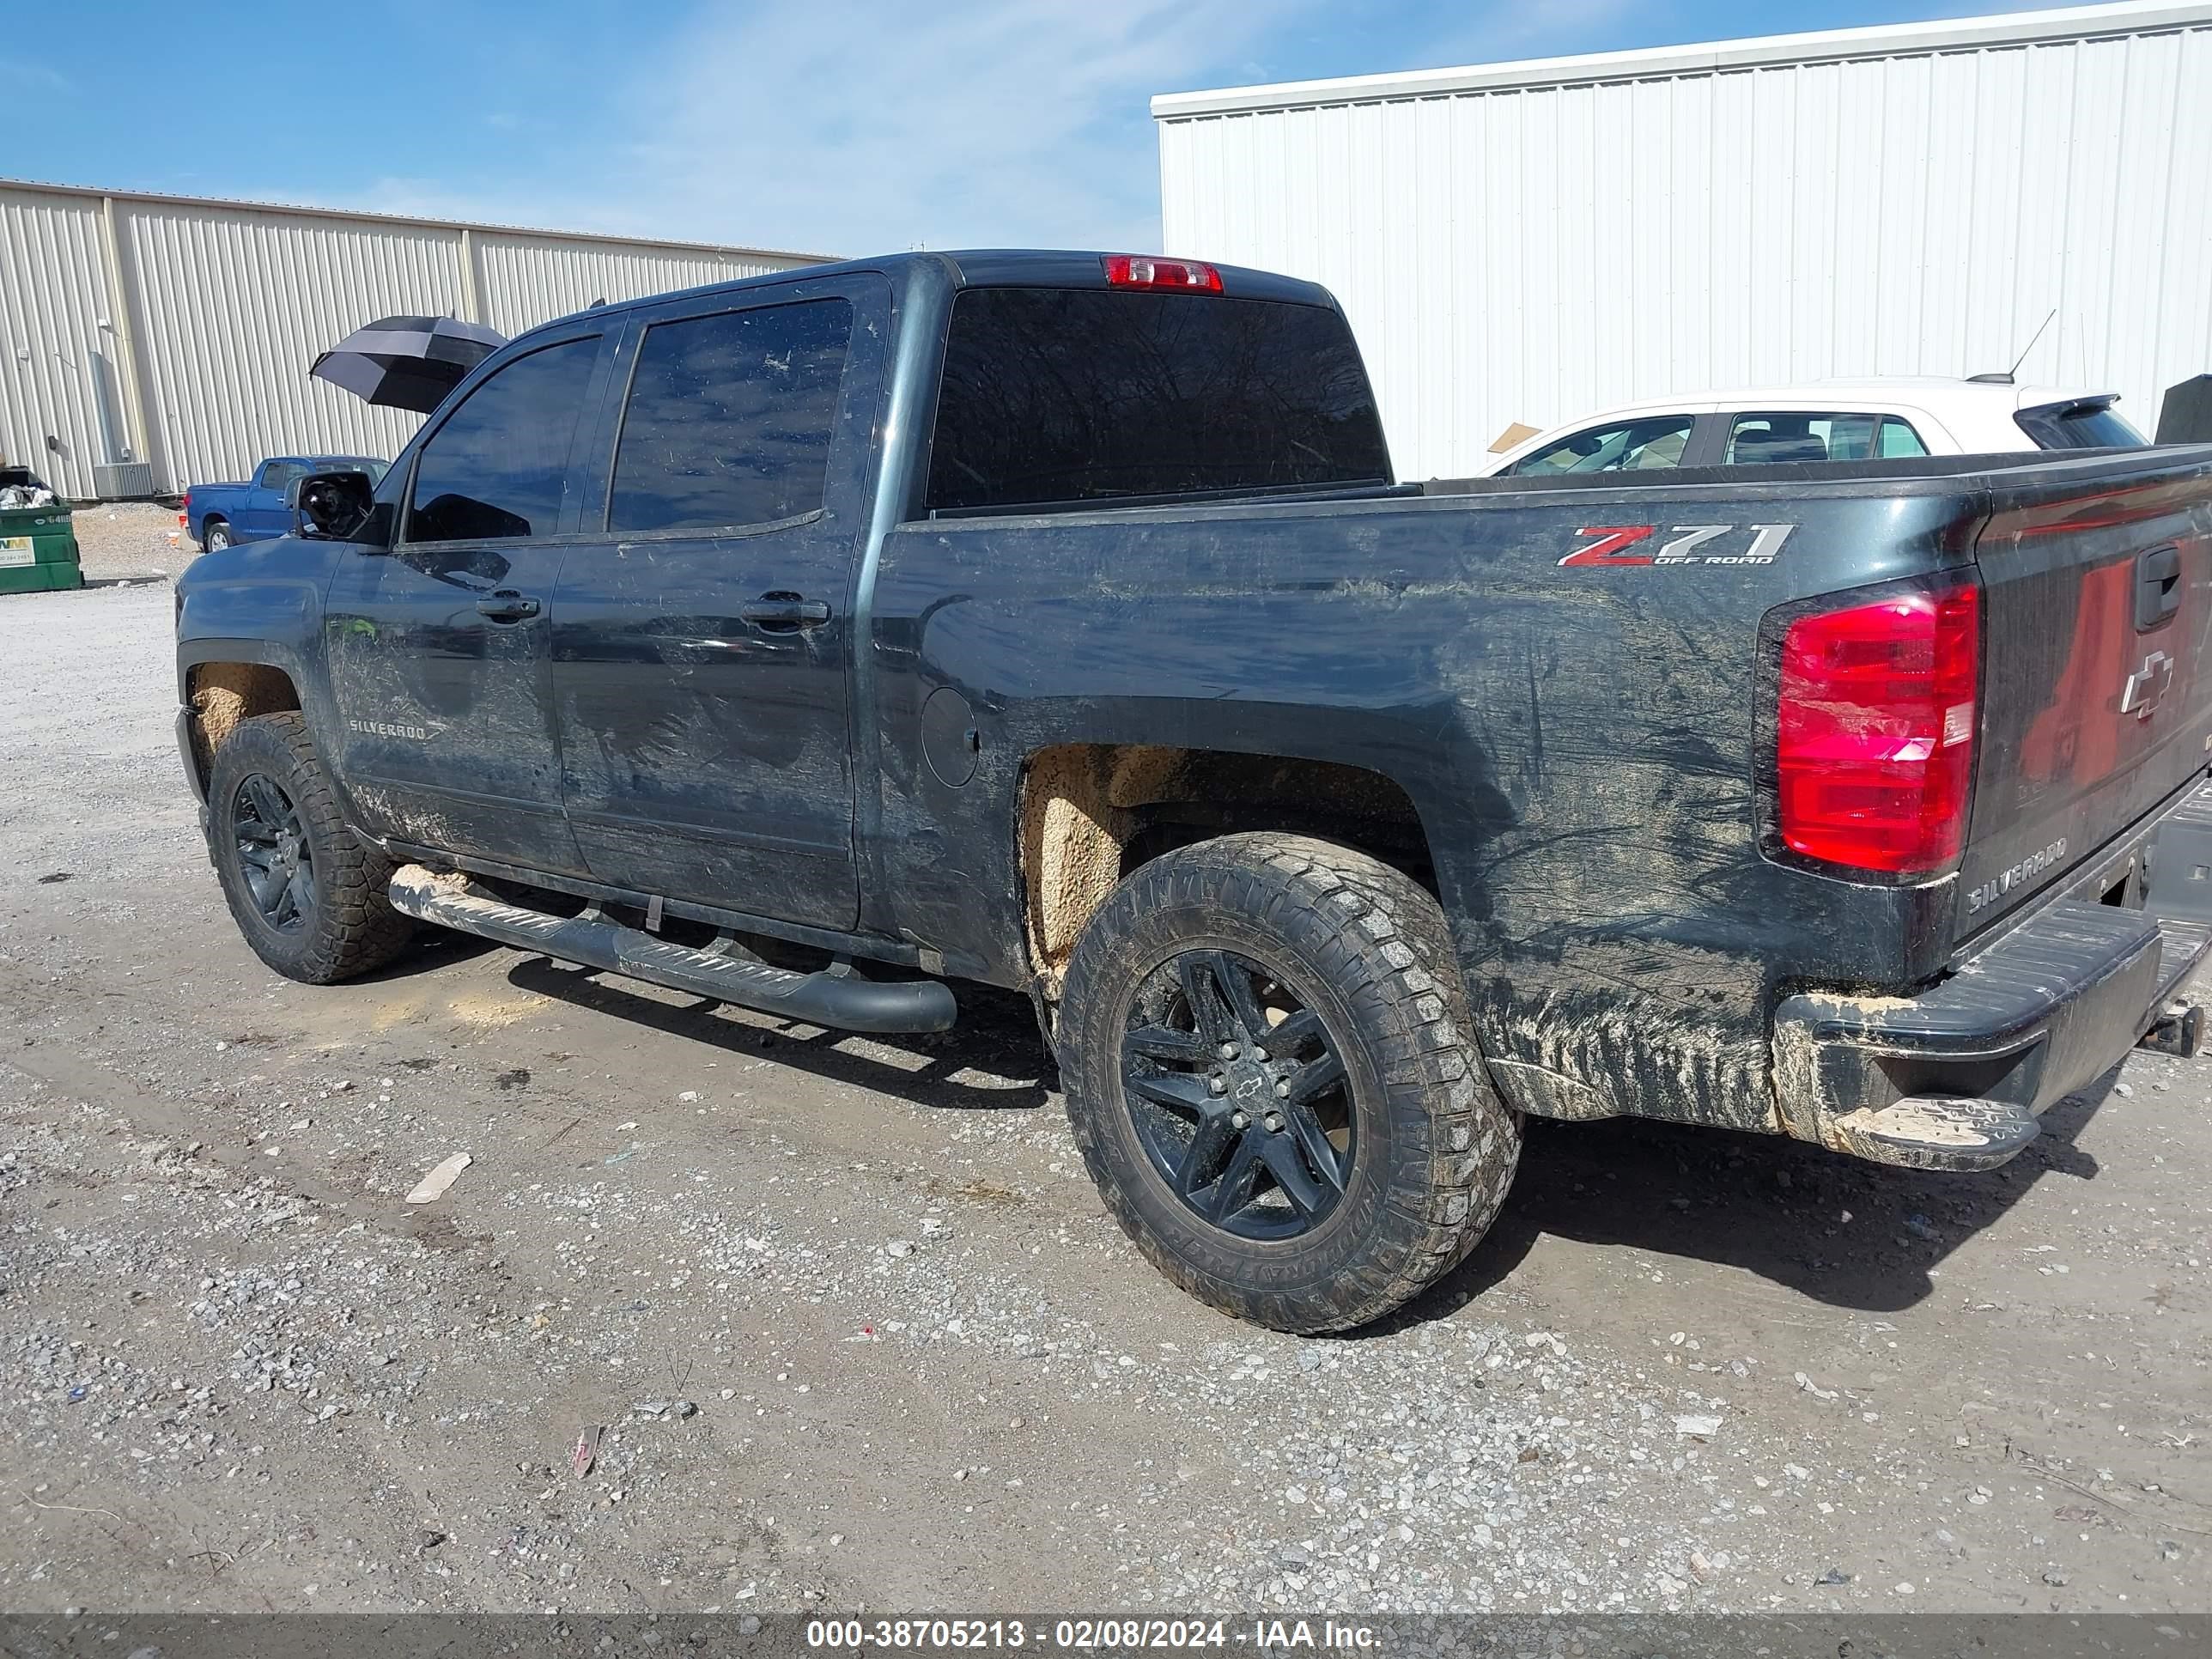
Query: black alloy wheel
pixel 1238 1095
pixel 273 854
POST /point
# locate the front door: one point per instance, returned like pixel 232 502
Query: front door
pixel 440 648
pixel 263 511
pixel 703 642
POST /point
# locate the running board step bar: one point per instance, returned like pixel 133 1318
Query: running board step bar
pixel 836 997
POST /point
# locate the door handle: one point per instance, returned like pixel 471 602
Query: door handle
pixel 783 613
pixel 508 606
pixel 2158 586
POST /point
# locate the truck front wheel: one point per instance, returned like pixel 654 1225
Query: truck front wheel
pixel 308 897
pixel 1272 1078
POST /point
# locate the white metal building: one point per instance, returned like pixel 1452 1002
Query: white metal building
pixel 1534 241
pixel 150 341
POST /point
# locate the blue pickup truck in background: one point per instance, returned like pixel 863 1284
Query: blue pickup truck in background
pixel 218 514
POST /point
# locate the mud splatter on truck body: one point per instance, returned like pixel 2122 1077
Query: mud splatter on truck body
pixel 941 736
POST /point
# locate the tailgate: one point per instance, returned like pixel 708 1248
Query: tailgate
pixel 2096 694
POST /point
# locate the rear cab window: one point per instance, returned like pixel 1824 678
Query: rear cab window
pixel 1649 443
pixel 1773 437
pixel 1065 396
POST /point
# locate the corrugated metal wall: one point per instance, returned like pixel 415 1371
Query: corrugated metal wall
pixel 234 309
pixel 527 279
pixel 182 334
pixel 53 351
pixel 1540 251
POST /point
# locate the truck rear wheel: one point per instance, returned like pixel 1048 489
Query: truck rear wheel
pixel 308 897
pixel 214 536
pixel 1270 1076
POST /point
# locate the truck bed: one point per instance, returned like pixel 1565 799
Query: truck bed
pixel 1580 742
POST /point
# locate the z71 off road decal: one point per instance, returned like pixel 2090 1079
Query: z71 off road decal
pixel 1613 541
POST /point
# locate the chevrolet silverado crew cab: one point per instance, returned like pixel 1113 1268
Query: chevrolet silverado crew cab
pixel 818 641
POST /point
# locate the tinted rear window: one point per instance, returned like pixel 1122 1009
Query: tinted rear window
pixel 2078 426
pixel 1060 395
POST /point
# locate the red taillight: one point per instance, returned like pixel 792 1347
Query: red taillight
pixel 1142 270
pixel 1875 751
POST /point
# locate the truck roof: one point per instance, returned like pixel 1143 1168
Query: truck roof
pixel 1935 392
pixel 991 268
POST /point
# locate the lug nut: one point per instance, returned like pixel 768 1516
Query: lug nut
pixel 1274 1124
pixel 1283 1088
pixel 1228 1051
pixel 1217 1085
pixel 1237 1119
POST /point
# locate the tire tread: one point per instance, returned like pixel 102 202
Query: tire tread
pixel 358 930
pixel 1390 952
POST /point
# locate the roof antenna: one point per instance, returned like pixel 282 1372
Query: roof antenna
pixel 2005 378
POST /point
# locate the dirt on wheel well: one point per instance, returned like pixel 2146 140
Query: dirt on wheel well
pixel 224 693
pixel 1092 813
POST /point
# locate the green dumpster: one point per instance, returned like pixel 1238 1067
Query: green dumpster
pixel 38 544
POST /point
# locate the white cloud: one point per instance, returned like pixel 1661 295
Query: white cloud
pixel 875 125
pixel 861 127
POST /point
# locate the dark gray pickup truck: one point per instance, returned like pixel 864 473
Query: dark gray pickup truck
pixel 1054 621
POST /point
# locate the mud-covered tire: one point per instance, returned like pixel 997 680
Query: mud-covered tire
pixel 346 925
pixel 1432 1148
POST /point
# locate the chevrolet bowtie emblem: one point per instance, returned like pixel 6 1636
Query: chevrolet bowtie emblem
pixel 2146 685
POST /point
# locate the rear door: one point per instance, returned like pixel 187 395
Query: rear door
pixel 2096 701
pixel 439 647
pixel 703 644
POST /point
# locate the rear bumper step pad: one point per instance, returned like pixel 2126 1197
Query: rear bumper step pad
pixel 1956 1078
pixel 836 997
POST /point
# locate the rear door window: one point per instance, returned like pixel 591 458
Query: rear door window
pixel 730 417
pixel 1773 438
pixel 1654 443
pixel 499 467
pixel 1058 396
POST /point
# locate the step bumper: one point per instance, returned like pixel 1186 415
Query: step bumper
pixel 1956 1077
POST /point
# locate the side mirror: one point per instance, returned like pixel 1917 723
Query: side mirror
pixel 332 506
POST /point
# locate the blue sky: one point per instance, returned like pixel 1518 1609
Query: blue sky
pixel 812 125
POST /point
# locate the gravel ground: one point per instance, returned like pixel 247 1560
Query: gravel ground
pixel 857 1334
pixel 130 540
